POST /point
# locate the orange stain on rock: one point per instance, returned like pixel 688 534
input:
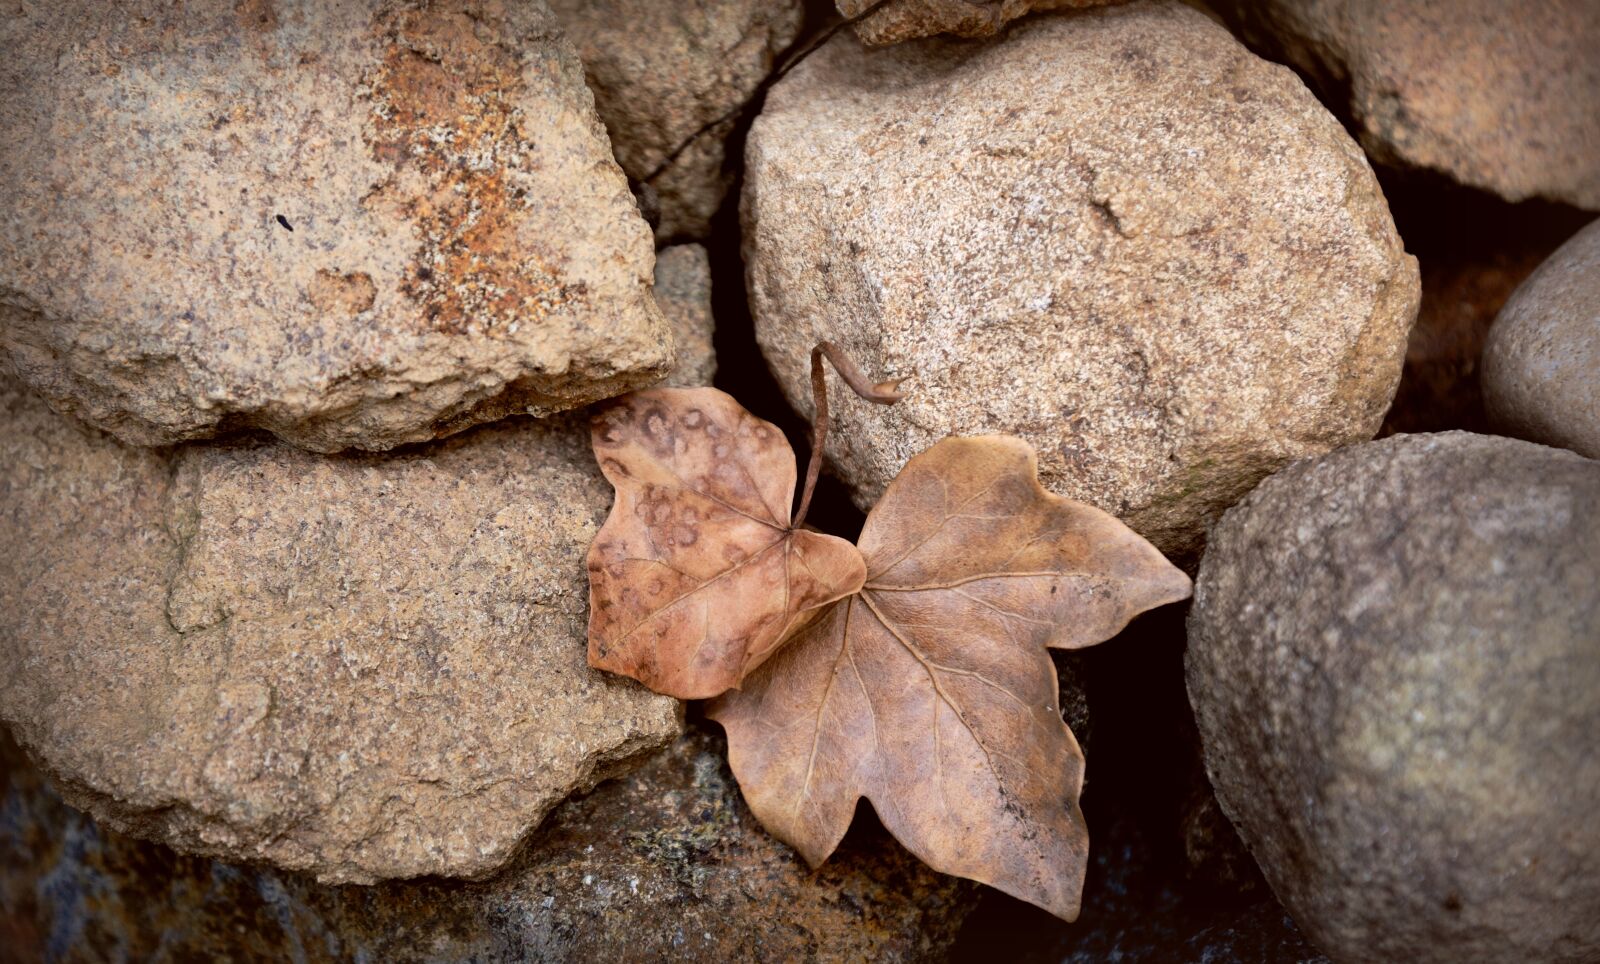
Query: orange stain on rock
pixel 445 107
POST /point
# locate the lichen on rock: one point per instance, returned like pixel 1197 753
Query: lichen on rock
pixel 353 225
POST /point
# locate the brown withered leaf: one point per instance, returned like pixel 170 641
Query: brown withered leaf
pixel 697 576
pixel 931 693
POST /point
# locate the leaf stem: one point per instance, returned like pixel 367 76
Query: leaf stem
pixel 883 393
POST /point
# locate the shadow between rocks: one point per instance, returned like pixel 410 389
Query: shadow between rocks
pixel 741 370
pixel 1473 249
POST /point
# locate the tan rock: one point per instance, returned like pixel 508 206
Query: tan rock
pixel 1393 657
pixel 361 667
pixel 1501 96
pixel 664 864
pixel 1541 363
pixel 1117 234
pixel 353 225
pixel 669 80
pixel 683 290
pixel 900 20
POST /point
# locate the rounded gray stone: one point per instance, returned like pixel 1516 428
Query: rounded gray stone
pixel 1541 362
pixel 1394 662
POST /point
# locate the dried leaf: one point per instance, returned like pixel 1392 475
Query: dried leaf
pixel 697 576
pixel 931 693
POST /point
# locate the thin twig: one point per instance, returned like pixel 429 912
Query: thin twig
pixel 883 393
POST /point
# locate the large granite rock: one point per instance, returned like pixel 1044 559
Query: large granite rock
pixel 670 80
pixel 900 20
pixel 1117 234
pixel 1394 656
pixel 1501 96
pixel 666 864
pixel 361 667
pixel 351 224
pixel 1541 363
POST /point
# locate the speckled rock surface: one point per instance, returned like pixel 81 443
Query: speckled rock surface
pixel 1501 96
pixel 362 667
pixel 353 225
pixel 911 19
pixel 669 80
pixel 665 864
pixel 683 290
pixel 1394 656
pixel 1541 363
pixel 1120 236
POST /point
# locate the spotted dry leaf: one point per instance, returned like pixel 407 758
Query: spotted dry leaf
pixel 930 692
pixel 696 576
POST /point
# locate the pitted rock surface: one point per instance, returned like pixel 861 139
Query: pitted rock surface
pixel 1500 96
pixel 354 225
pixel 361 667
pixel 1394 652
pixel 910 19
pixel 1541 362
pixel 669 80
pixel 1117 234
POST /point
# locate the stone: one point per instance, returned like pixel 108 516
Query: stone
pixel 361 667
pixel 683 290
pixel 1139 914
pixel 1500 96
pixel 1120 236
pixel 664 864
pixel 1441 385
pixel 670 81
pixel 353 225
pixel 1542 356
pixel 900 20
pixel 1394 652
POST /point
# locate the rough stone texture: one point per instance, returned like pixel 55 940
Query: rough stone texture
pixel 911 19
pixel 683 290
pixel 353 225
pixel 1117 234
pixel 1394 652
pixel 1501 96
pixel 1541 363
pixel 669 80
pixel 666 864
pixel 362 667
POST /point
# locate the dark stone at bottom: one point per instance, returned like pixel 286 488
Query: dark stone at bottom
pixel 1169 882
pixel 665 863
pixel 1138 908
